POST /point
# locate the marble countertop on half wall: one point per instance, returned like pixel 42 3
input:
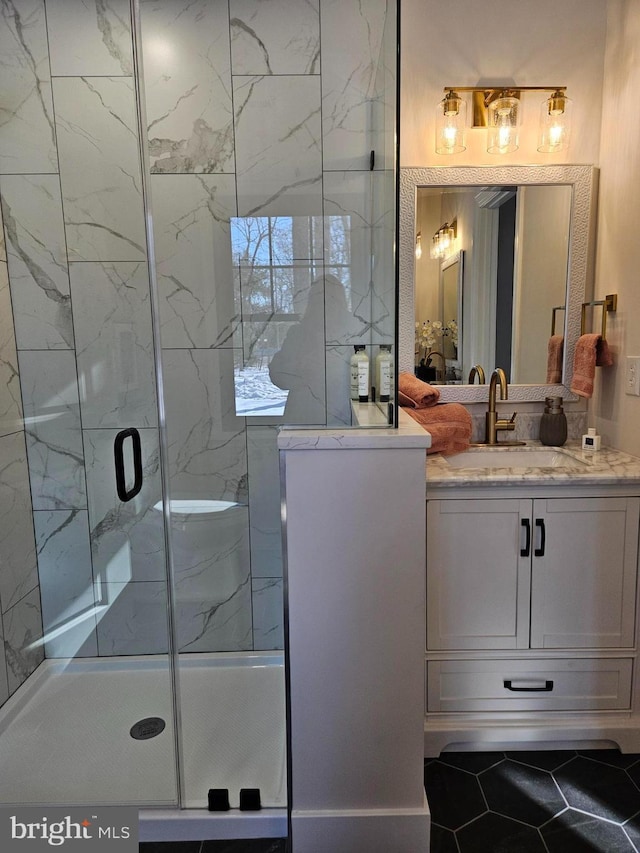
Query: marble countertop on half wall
pixel 409 434
pixel 604 467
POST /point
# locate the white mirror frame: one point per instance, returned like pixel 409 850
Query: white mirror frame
pixel 582 179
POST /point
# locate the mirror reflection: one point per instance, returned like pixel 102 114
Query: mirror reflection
pixel 499 291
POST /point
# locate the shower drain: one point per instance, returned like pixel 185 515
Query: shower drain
pixel 147 728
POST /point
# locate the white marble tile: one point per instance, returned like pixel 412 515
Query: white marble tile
pixel 207 446
pixel 114 344
pixel 132 618
pixel 4 684
pixel 10 399
pixel 338 385
pixel 383 306
pixel 90 37
pixel 278 145
pixel 215 623
pixel 23 639
pixel 264 502
pixel 268 619
pixel 66 583
pixel 191 226
pixel 27 134
pixel 18 566
pixel 211 573
pixel 100 168
pixel 351 33
pixel 52 424
pixel 356 209
pixel 127 539
pixel 187 74
pixel 37 257
pixel 280 37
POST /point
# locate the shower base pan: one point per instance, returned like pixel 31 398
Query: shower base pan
pixel 65 738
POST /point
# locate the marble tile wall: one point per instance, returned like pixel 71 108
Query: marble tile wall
pixel 261 118
pixel 71 191
pixel 248 121
pixel 20 618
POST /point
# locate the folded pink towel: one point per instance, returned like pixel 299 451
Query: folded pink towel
pixel 414 393
pixel 591 351
pixel 450 426
pixel 554 359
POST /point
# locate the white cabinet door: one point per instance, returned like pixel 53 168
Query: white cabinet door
pixel 583 585
pixel 478 582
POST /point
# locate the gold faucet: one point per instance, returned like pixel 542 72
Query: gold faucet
pixel 493 423
pixel 477 370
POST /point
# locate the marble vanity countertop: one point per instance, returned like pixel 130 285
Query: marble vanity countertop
pixel 605 467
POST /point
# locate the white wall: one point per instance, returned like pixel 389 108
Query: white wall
pixel 618 250
pixel 466 43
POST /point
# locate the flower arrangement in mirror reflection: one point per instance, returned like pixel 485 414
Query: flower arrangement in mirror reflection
pixel 427 335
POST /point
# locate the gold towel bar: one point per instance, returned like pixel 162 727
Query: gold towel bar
pixel 553 317
pixel 609 303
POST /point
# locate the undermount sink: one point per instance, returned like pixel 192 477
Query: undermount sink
pixel 502 457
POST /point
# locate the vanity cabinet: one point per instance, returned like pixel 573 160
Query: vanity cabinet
pixel 548 573
pixel 531 605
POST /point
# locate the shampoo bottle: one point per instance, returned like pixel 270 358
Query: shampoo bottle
pixel 359 374
pixel 383 373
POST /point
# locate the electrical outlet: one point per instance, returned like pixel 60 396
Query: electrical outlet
pixel 632 378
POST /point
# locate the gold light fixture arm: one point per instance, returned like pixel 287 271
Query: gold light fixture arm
pixel 482 96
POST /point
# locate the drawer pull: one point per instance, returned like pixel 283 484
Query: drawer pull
pixel 548 687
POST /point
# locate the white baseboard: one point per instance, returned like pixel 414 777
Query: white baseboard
pixel 361 831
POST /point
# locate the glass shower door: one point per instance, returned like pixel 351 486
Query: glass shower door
pixel 86 693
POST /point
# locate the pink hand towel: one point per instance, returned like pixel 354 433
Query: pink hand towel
pixel 450 426
pixel 554 359
pixel 414 393
pixel 591 351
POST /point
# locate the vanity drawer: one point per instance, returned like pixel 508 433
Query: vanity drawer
pixel 529 685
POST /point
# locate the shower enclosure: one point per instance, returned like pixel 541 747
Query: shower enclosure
pixel 198 200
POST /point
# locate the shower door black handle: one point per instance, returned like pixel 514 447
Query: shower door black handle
pixel 118 454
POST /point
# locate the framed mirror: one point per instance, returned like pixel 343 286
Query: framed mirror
pixel 526 235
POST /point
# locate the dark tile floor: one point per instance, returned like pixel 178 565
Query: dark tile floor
pixel 534 802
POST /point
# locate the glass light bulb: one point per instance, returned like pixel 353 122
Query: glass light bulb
pixel 503 128
pixel 451 115
pixel 555 123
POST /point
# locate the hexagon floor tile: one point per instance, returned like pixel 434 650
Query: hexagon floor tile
pixel 585 801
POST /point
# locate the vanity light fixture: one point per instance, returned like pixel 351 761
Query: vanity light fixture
pixel 442 240
pixel 418 245
pixel 498 110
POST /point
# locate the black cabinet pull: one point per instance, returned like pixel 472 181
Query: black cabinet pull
pixel 118 455
pixel 526 551
pixel 548 687
pixel 539 552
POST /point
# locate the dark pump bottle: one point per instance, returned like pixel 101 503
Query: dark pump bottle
pixel 553 424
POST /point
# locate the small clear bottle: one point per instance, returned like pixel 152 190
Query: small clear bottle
pixel 359 387
pixel 384 377
pixel 553 424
